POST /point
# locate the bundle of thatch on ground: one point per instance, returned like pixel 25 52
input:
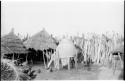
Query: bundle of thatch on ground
pixel 41 41
pixel 8 71
pixel 11 72
pixel 13 43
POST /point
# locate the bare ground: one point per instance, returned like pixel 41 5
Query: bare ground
pixel 95 72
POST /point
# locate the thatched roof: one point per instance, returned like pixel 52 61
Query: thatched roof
pixel 5 50
pixel 41 41
pixel 13 42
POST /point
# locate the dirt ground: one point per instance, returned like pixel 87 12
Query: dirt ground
pixel 95 72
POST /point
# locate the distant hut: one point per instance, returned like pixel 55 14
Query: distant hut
pixel 13 43
pixel 41 42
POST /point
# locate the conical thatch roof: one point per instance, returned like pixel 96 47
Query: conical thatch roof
pixel 13 42
pixel 40 41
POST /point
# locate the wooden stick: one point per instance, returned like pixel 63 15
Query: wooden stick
pixel 18 56
pixel 13 56
pixel 47 58
pixel 68 63
pixel 120 59
pixel 50 62
pixel 76 64
pixel 32 61
pixel 26 57
pixel 44 60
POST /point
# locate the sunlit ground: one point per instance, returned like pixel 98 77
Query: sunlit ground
pixel 95 72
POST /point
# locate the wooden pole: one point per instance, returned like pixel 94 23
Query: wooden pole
pixel 31 61
pixel 13 56
pixel 98 54
pixel 18 56
pixel 120 59
pixel 26 57
pixel 47 57
pixel 68 63
pixel 76 64
pixel 44 60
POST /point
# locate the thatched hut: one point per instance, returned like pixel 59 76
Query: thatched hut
pixel 40 43
pixel 13 43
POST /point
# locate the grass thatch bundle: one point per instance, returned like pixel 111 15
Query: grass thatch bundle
pixel 11 72
pixel 8 71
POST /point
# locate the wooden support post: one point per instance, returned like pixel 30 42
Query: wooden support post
pixel 76 64
pixel 57 61
pixel 31 61
pixel 44 60
pixel 68 63
pixel 18 56
pixel 26 57
pixel 120 59
pixel 114 67
pixel 47 57
pixel 13 56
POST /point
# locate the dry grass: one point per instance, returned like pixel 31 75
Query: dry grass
pixel 11 72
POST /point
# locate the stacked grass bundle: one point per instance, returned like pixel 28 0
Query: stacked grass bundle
pixel 11 72
pixel 8 71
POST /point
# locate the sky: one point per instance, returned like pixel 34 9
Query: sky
pixel 62 17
